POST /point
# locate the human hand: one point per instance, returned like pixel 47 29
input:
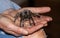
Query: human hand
pixel 39 33
pixel 8 26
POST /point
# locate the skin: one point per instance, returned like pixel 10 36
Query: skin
pixel 10 27
pixel 40 33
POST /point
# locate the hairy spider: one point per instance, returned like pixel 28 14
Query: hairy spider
pixel 26 15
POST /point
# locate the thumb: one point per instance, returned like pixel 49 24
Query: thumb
pixel 12 27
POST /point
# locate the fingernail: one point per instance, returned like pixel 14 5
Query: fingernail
pixel 49 19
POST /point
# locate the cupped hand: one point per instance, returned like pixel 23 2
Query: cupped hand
pixel 8 25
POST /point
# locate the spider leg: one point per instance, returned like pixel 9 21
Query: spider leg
pixel 32 21
pixel 36 15
pixel 15 19
pixel 21 23
pixel 16 16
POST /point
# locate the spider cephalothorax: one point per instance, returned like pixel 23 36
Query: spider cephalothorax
pixel 26 15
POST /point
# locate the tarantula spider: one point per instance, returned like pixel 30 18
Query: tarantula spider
pixel 26 15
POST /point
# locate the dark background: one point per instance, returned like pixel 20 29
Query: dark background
pixel 53 28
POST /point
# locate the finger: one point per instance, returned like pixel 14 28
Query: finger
pixel 8 31
pixel 11 32
pixel 39 23
pixel 42 22
pixel 17 31
pixel 10 26
pixel 37 9
pixel 46 18
pixel 43 18
pixel 34 28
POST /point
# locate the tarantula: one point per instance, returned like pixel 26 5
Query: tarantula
pixel 26 15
